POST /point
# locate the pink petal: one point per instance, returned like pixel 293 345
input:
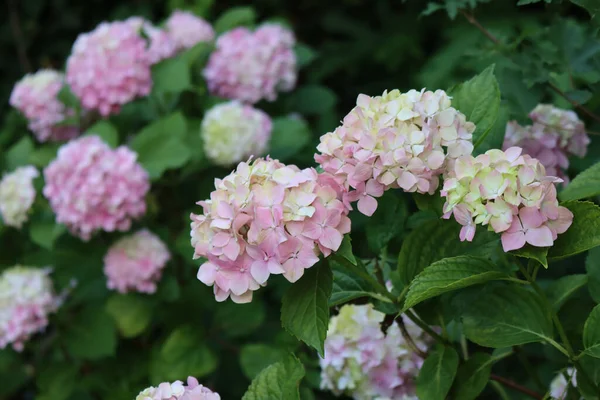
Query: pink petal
pixel 531 217
pixel 512 241
pixel 332 238
pixel 407 180
pixel 467 233
pixel 539 237
pixel 259 271
pixel 207 273
pixel 367 205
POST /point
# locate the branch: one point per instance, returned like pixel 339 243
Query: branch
pixel 574 103
pixel 475 23
pixel 15 26
pixel 409 340
pixel 516 386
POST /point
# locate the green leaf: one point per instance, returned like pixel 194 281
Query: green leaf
pixel 161 145
pixel 592 7
pixel 437 374
pixel 348 286
pixel 234 320
pixel 57 381
pixel 91 335
pixel 279 381
pixel 451 274
pixel 591 366
pixel 304 55
pixel 18 155
pixel 472 376
pixel 45 232
pixel 289 136
pixel 539 254
pixel 518 317
pixel 67 97
pixel 171 76
pixel 132 313
pixel 387 222
pixel 305 308
pixel 234 17
pixel 591 333
pixel 582 235
pixel 184 353
pixel 106 131
pixel 256 357
pixel 561 289
pixel 433 241
pixel 592 266
pixel 313 99
pixel 345 250
pixel 43 155
pixel 479 99
pixel 585 184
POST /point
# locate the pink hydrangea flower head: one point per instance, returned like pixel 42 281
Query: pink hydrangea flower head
pixel 161 46
pixel 396 140
pixel 26 299
pixel 92 187
pixel 178 391
pixel 364 363
pixel 36 97
pixel 251 66
pixel 232 132
pixel 17 195
pixel 266 218
pixel 109 67
pixel 135 263
pixel 508 191
pixel 187 30
pixel 560 384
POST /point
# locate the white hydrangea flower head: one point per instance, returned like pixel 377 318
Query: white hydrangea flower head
pixel 178 391
pixel 17 195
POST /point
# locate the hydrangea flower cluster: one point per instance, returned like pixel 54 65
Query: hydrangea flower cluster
pixel 554 135
pixel 36 97
pixel 232 132
pixel 178 391
pixel 511 193
pixel 251 66
pixel 26 299
pixel 160 45
pixel 109 67
pixel 266 218
pixel 135 263
pixel 17 195
pixel 364 363
pixel 187 30
pixel 91 187
pixel 560 384
pixel 395 140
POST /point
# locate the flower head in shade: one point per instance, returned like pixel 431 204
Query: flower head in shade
pixel 92 187
pixel 178 391
pixel 554 135
pixel 266 218
pixel 109 67
pixel 364 363
pixel 36 97
pixel 187 30
pixel 17 195
pixel 232 132
pixel 251 66
pixel 26 299
pixel 560 384
pixel 160 45
pixel 510 193
pixel 135 263
pixel 396 140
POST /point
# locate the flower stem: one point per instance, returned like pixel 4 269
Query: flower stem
pixel 513 385
pixel 425 327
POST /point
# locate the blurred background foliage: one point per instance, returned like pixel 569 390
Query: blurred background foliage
pixel 543 51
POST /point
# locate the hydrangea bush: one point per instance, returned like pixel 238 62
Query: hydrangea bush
pixel 202 216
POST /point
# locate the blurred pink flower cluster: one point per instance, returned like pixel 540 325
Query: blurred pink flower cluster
pixel 160 46
pixel 251 66
pixel 109 67
pixel 26 299
pixel 554 135
pixel 186 30
pixel 396 140
pixel 135 263
pixel 364 363
pixel 36 97
pixel 93 187
pixel 266 218
pixel 509 192
pixel 178 391
pixel 17 195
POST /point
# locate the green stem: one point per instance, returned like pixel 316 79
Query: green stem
pixel 463 346
pixel 402 295
pixel 500 390
pixel 425 327
pixel 365 275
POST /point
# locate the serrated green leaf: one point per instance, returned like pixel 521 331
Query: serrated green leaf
pixel 234 17
pixel 305 306
pixel 472 376
pixel 256 357
pixel 592 267
pixel 539 254
pixel 582 235
pixel 279 381
pixel 479 99
pixel 591 333
pixel 91 335
pixel 586 184
pixel 105 131
pixel 131 313
pixel 289 136
pixel 518 317
pixel 387 221
pixel 348 286
pixel 313 99
pixel 345 250
pixel 437 374
pixel 561 289
pixel 451 274
pixel 171 76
